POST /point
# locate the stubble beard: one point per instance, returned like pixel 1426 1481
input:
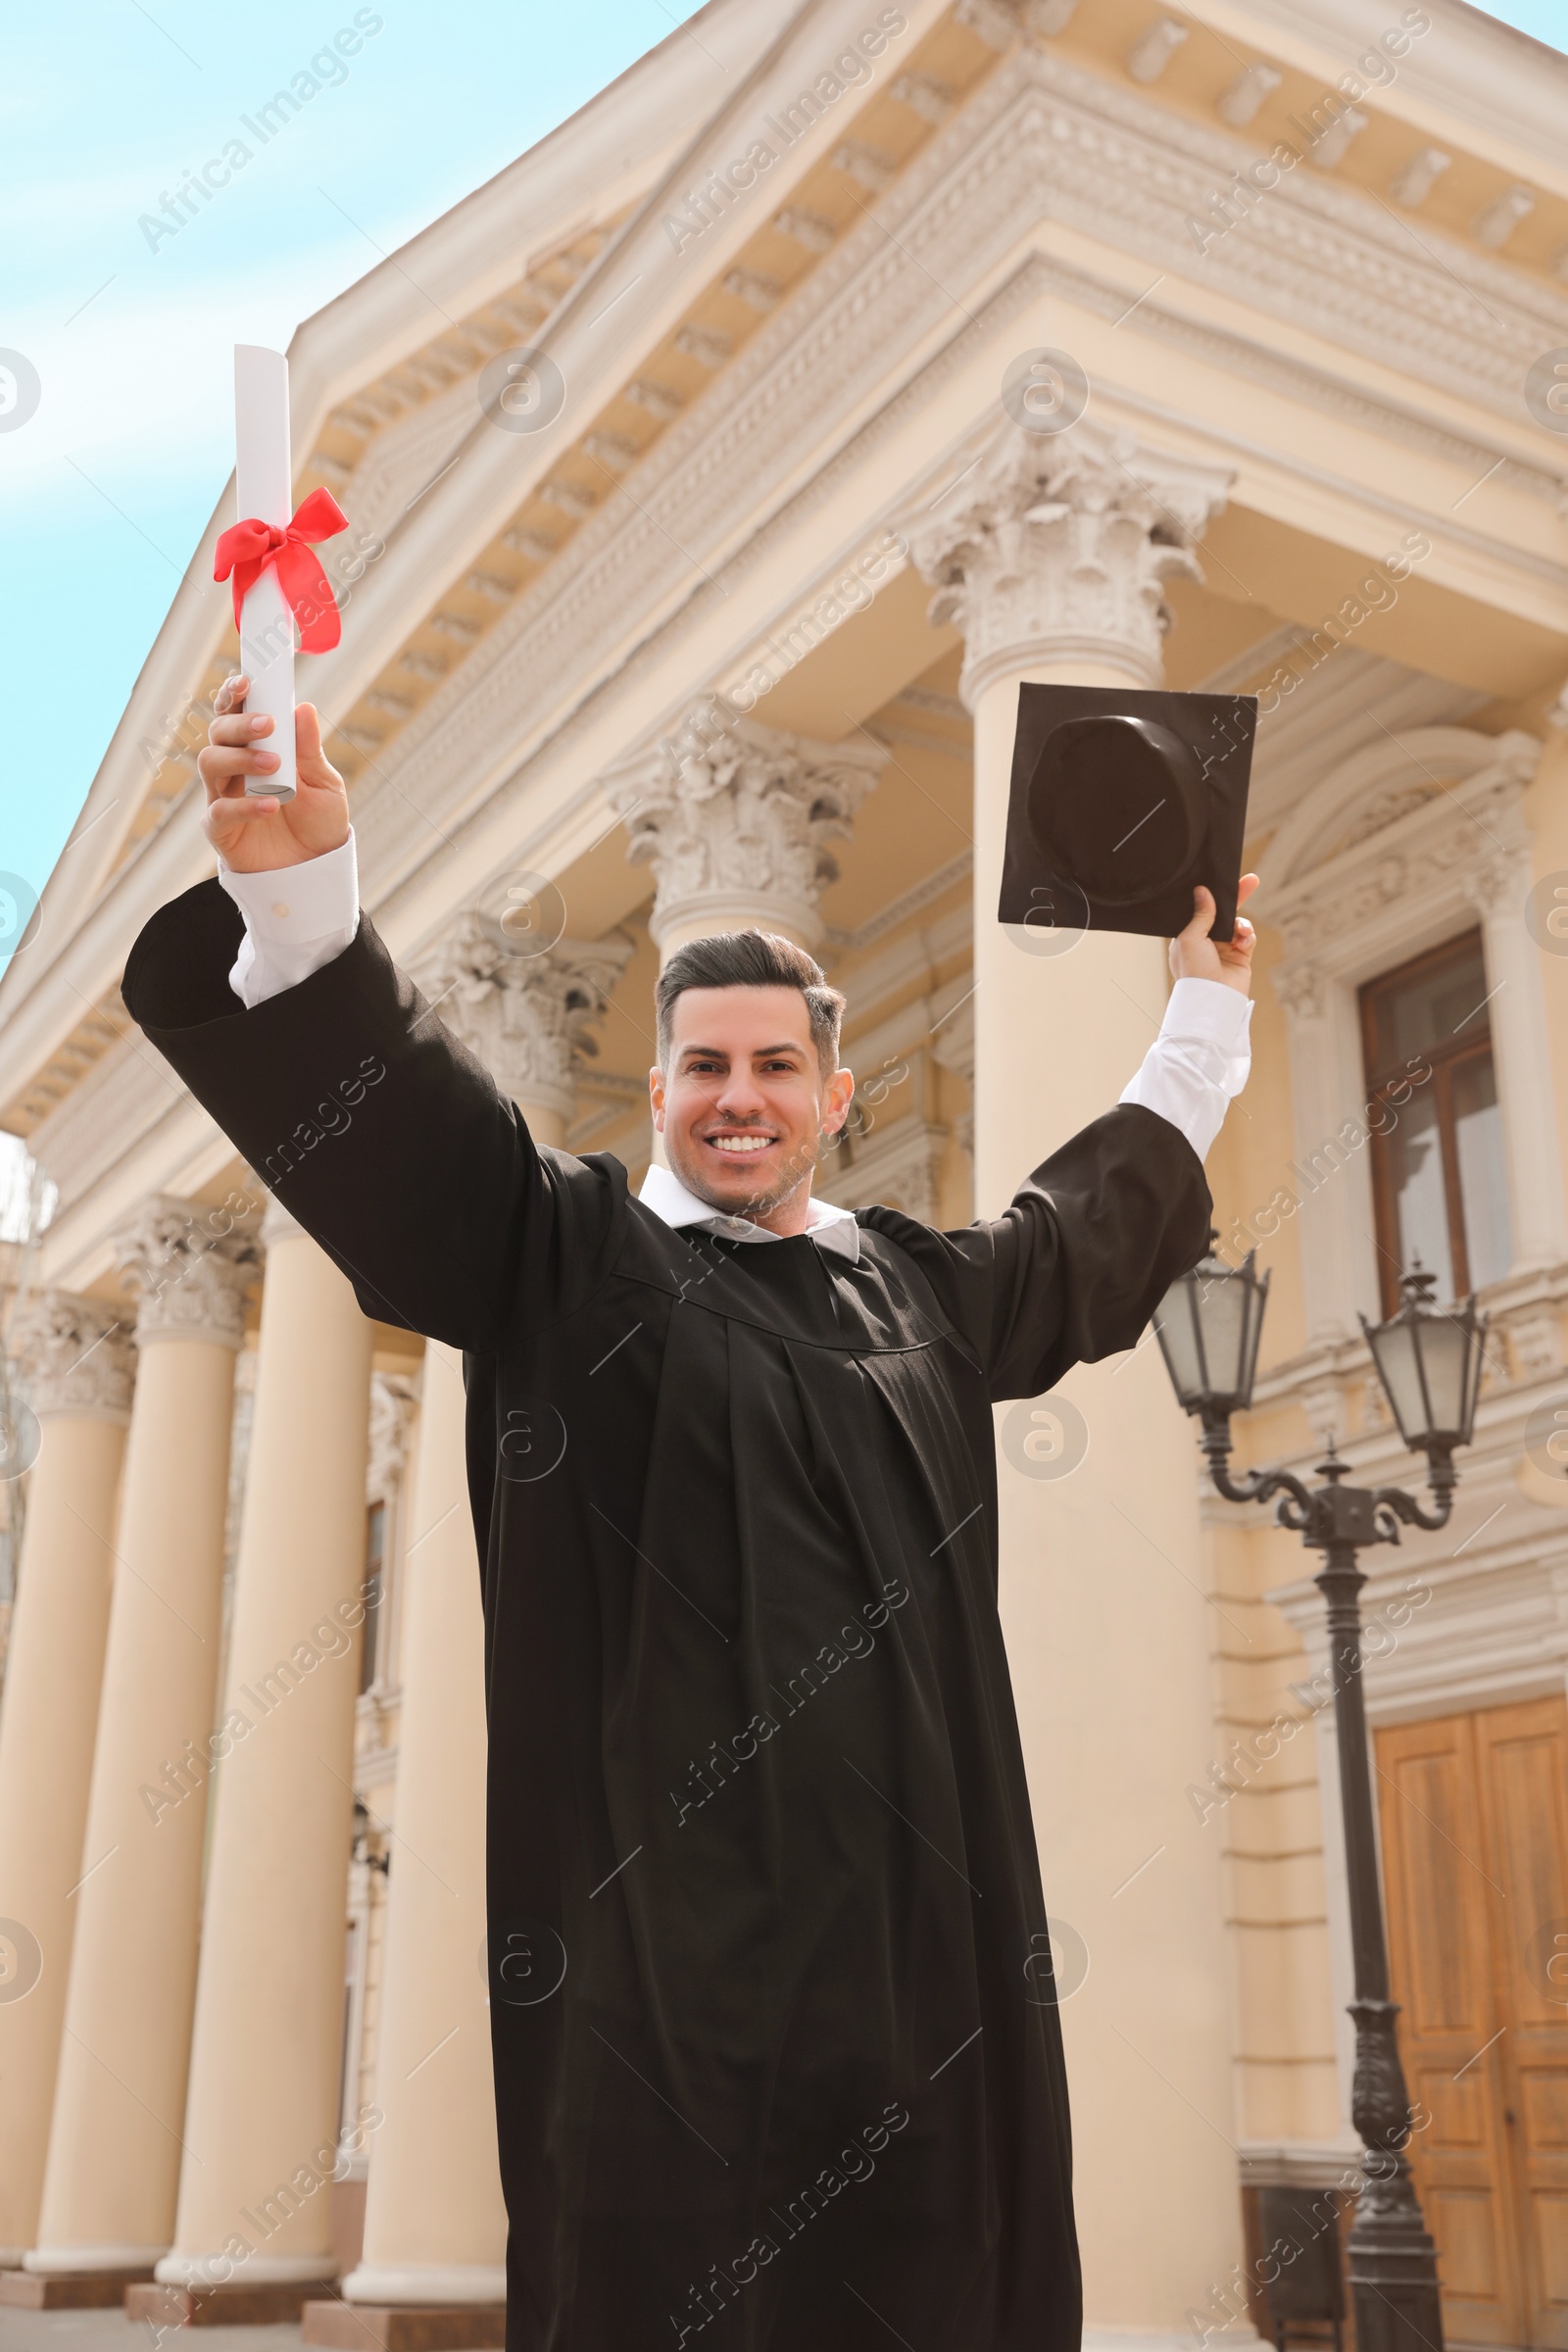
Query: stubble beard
pixel 796 1171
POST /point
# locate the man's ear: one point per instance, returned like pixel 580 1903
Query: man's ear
pixel 836 1101
pixel 656 1097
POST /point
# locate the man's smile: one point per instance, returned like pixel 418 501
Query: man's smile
pixel 739 1147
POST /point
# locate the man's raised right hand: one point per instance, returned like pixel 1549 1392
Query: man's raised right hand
pixel 254 836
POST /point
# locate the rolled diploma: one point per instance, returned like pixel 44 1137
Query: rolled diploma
pixel 264 486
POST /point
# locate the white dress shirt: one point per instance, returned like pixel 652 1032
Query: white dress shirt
pixel 665 1194
pixel 298 917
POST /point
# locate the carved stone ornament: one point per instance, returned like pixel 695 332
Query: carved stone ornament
pixel 73 1356
pixel 1468 841
pixel 192 1266
pixel 526 1017
pixel 1299 989
pixel 393 1397
pixel 1498 879
pixel 1057 547
pixel 735 818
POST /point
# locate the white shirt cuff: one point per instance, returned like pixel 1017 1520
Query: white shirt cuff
pixel 297 917
pixel 1199 1062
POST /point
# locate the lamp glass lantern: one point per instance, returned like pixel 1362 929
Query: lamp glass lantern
pixel 1429 1360
pixel 1208 1325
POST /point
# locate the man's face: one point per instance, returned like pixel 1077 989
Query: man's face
pixel 744 1104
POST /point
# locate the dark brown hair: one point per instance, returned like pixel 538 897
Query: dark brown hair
pixel 751 959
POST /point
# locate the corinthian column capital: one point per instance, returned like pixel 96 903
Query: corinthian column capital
pixel 75 1356
pixel 526 1017
pixel 735 818
pixel 192 1280
pixel 1057 547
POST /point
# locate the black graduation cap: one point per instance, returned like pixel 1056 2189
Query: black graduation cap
pixel 1121 801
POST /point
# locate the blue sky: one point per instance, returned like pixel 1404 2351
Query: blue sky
pixel 103 107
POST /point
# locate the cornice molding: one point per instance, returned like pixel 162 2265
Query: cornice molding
pixel 1318 254
pixel 1469 69
pixel 121 1098
pixel 965 197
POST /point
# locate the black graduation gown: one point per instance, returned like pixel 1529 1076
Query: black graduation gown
pixel 776 2059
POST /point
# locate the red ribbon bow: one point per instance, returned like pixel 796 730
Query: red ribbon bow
pixel 247 547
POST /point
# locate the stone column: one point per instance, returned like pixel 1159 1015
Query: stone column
pixel 1052 560
pixel 1498 886
pixel 75 1366
pixel 114 2144
pixel 735 820
pixel 1326 1222
pixel 435 2228
pixel 260 2127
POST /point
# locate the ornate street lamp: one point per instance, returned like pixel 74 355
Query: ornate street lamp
pixel 1428 1359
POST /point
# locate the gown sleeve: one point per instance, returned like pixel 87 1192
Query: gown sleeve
pixel 1073 1268
pixel 373 1126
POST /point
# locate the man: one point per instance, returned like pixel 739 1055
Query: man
pixel 775 2066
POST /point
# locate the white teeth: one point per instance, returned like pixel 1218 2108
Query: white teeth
pixel 741 1143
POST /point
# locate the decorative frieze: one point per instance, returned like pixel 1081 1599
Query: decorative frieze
pixel 735 820
pixel 526 1017
pixel 1469 842
pixel 192 1279
pixel 1058 548
pixel 73 1356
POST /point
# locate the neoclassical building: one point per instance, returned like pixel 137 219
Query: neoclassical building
pixel 716 474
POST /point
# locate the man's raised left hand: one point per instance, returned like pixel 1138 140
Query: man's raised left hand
pixel 1194 956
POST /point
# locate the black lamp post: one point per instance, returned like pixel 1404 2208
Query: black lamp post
pixel 1428 1359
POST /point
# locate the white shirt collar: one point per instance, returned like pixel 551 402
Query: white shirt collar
pixel 665 1194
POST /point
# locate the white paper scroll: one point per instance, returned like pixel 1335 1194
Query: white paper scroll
pixel 264 487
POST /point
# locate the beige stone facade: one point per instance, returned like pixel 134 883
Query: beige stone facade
pixel 1050 342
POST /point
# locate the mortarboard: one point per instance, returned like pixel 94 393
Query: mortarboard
pixel 1121 801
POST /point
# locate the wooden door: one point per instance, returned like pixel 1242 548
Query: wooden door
pixel 1522 1754
pixel 1475 1856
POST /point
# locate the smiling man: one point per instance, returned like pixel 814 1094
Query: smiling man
pixel 747 1084
pixel 776 2065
